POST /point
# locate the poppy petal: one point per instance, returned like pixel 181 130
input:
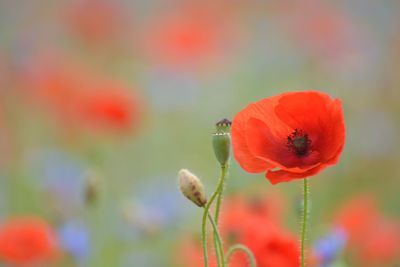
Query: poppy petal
pixel 303 110
pixel 331 143
pixel 280 176
pixel 242 154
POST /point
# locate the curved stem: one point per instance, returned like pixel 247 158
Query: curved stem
pixel 219 250
pixel 304 223
pixel 243 248
pixel 204 219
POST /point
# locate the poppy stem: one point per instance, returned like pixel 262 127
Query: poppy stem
pixel 219 251
pixel 305 219
pixel 243 248
pixel 224 171
pixel 219 189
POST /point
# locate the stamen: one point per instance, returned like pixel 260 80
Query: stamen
pixel 299 143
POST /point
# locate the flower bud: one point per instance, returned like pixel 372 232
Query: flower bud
pixel 92 185
pixel 192 188
pixel 222 141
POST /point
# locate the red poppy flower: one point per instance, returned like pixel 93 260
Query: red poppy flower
pixel 27 241
pixel 83 100
pixel 272 246
pixel 255 223
pixel 289 136
pixel 277 249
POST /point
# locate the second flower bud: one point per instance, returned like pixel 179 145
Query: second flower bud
pixel 192 188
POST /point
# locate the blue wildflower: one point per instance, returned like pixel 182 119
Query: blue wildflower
pixel 328 247
pixel 75 240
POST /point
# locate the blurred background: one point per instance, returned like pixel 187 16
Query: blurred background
pixel 102 102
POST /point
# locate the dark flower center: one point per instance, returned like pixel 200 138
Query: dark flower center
pixel 299 143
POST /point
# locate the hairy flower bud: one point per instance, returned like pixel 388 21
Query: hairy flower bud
pixel 192 188
pixel 222 141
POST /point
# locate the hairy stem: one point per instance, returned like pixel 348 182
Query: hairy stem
pixel 219 250
pixel 305 219
pixel 220 187
pixel 224 170
pixel 244 249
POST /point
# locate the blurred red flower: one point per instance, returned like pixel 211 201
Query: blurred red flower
pixel 373 239
pixel 298 133
pixel 256 224
pixel 27 241
pixel 95 20
pixel 185 37
pixel 108 106
pixel 81 100
pixel 357 216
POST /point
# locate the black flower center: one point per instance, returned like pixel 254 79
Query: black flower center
pixel 299 143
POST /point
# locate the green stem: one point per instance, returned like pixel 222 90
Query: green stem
pixel 224 170
pixel 243 248
pixel 204 219
pixel 305 218
pixel 219 250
